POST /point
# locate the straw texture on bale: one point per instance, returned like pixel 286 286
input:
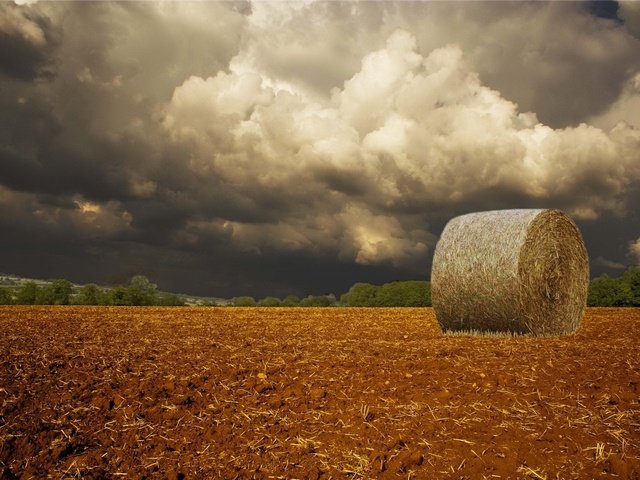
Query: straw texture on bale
pixel 519 271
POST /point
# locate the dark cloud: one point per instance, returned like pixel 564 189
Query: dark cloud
pixel 28 40
pixel 604 9
pixel 275 148
pixel 545 56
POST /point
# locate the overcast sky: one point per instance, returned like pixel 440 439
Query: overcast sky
pixel 273 148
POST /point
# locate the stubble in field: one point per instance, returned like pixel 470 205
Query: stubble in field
pixel 311 393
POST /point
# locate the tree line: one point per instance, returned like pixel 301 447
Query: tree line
pixel 604 291
pixel 138 292
pixel 289 301
pixel 413 293
pixel 623 291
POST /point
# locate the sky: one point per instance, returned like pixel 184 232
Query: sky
pixel 274 148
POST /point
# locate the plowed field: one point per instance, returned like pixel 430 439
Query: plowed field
pixel 227 393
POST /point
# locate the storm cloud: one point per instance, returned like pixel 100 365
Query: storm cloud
pixel 274 148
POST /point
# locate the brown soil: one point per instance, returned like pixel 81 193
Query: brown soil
pixel 311 393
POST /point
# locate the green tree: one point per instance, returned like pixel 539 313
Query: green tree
pixel 91 294
pixel 608 292
pixel 61 291
pixel 6 296
pixel 27 294
pixel 360 295
pixel 142 291
pixel 316 301
pixel 244 301
pixel 270 302
pixel 169 300
pixel 411 293
pixel 119 296
pixel 414 293
pixel 631 278
pixel 290 301
pixel 427 300
pixel 45 295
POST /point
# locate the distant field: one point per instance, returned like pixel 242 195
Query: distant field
pixel 132 392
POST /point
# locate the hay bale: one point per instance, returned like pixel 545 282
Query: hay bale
pixel 519 271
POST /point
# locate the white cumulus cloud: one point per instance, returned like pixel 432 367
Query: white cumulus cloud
pixel 410 130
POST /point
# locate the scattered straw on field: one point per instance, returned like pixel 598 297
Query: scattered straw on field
pixel 311 393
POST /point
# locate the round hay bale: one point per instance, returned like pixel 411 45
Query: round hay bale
pixel 517 271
